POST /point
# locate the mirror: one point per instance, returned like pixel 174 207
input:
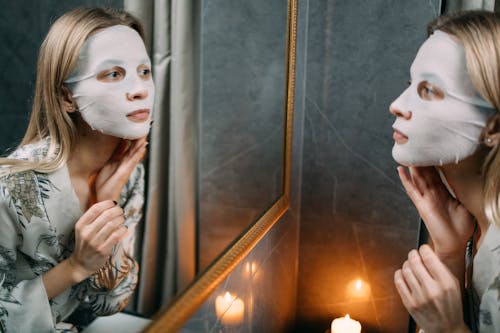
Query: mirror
pixel 236 145
pixel 246 103
pixel 243 80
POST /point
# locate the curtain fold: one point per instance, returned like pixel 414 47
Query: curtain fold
pixel 457 5
pixel 167 252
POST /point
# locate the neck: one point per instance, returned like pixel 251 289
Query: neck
pixel 91 152
pixel 466 181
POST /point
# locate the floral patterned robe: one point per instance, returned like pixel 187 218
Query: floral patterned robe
pixel 486 281
pixel 37 217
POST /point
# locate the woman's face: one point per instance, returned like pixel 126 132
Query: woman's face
pixel 440 116
pixel 112 83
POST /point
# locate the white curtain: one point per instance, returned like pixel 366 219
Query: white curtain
pixel 168 246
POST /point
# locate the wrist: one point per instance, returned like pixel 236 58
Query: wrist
pixel 76 272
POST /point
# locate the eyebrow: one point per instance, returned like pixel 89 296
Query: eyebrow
pixel 118 62
pixel 434 79
pixel 431 76
pixel 110 62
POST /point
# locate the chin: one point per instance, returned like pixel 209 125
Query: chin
pixel 405 158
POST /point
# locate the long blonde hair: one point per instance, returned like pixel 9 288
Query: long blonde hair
pixel 479 32
pixel 57 59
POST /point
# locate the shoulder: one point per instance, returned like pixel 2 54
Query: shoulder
pixel 20 193
pixel 32 152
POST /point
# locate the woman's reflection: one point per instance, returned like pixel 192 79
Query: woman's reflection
pixel 71 194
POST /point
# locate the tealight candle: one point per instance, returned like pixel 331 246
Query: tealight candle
pixel 230 309
pixel 345 325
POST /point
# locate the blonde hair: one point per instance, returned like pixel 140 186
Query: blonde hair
pixel 479 32
pixel 57 59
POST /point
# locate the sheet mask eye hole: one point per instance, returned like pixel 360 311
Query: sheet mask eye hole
pixel 429 92
pixel 111 75
pixel 144 72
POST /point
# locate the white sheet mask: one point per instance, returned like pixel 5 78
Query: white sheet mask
pixel 440 131
pixel 105 105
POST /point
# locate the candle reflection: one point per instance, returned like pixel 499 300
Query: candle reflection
pixel 229 309
pixel 358 288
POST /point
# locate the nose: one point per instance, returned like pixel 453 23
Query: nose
pixel 137 95
pixel 399 113
pixel 396 110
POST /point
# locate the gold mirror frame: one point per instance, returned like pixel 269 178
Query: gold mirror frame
pixel 172 316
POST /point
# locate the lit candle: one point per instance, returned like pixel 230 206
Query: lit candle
pixel 345 325
pixel 230 309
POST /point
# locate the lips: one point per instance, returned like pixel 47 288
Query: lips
pixel 139 116
pixel 399 137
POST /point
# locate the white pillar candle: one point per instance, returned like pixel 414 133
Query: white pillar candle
pixel 345 325
pixel 230 309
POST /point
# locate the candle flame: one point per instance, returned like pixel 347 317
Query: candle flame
pixel 251 267
pixel 359 284
pixel 347 316
pixel 228 296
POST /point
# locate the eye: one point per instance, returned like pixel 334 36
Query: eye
pixel 144 72
pixel 111 75
pixel 429 92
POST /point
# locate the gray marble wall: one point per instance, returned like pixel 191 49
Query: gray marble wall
pixel 356 222
pixel 270 292
pixel 23 25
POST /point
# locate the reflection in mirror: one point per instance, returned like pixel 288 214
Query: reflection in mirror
pixel 277 201
pixel 243 88
pixel 242 116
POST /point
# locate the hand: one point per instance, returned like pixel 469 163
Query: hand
pixel 449 223
pixel 114 175
pixel 96 233
pixel 430 292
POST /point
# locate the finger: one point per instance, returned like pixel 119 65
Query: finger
pixel 436 268
pixel 128 164
pixel 430 178
pixel 418 180
pixel 403 290
pixel 95 211
pixel 103 219
pixel 110 227
pixel 408 185
pixel 116 236
pixel 411 281
pixel 138 149
pixel 419 269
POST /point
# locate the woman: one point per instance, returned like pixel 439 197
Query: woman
pixel 447 131
pixel 72 193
